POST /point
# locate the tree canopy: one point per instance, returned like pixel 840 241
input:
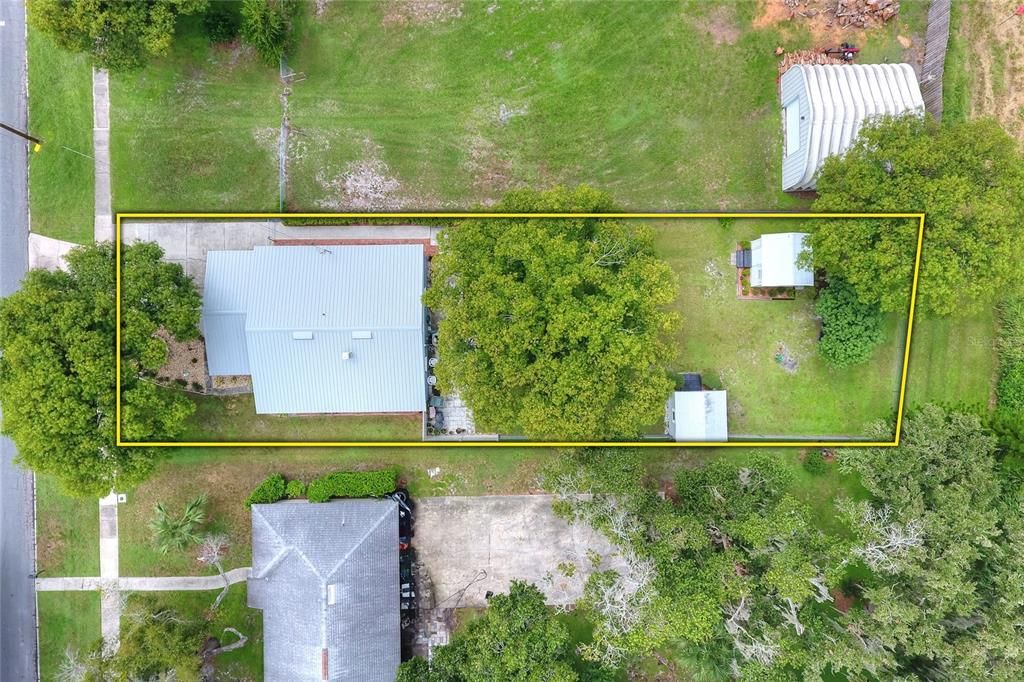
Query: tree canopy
pixel 945 539
pixel 267 26
pixel 57 378
pixel 850 329
pixel 119 34
pixel 517 638
pixel 554 327
pixel 967 177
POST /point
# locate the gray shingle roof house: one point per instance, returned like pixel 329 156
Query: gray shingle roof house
pixel 824 107
pixel 333 329
pixel 326 578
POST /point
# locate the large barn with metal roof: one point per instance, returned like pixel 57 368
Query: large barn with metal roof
pixel 824 107
pixel 320 329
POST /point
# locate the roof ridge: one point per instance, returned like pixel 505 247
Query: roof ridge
pixel 359 544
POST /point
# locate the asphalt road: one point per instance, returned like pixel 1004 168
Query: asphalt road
pixel 17 560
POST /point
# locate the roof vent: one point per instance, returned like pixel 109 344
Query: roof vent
pixel 346 355
pixel 362 335
pixel 302 336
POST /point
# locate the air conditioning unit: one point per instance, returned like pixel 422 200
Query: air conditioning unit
pixel 346 355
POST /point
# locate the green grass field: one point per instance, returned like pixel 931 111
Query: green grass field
pixel 60 114
pixel 196 130
pixel 952 361
pixel 234 418
pixel 66 620
pixel 734 343
pixel 68 532
pixel 638 100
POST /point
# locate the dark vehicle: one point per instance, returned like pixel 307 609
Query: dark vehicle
pixel 401 496
pixel 407 581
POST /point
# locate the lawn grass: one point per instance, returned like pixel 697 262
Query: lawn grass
pixel 66 619
pixel 196 130
pixel 60 114
pixel 733 343
pixel 68 531
pixel 234 418
pixel 634 98
pixel 227 476
pixel 952 361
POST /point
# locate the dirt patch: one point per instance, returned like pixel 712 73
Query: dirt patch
pixel 991 34
pixel 490 168
pixel 720 23
pixel 186 363
pixel 413 12
pixel 365 185
pixel 232 382
pixel 828 20
pixel 785 359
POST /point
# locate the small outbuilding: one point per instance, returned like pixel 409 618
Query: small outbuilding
pixel 775 261
pixel 824 107
pixel 698 416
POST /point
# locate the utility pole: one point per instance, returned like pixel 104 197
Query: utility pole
pixel 36 142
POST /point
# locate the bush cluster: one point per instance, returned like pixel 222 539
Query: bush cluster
pixel 850 329
pixel 814 462
pixel 269 491
pixel 295 490
pixel 351 484
pixel 1010 388
pixel 222 21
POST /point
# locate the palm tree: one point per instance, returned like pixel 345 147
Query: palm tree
pixel 170 532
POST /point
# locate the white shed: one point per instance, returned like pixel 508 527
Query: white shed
pixel 774 261
pixel 698 416
pixel 824 106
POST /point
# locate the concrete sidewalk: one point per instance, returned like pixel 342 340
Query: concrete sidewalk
pixel 146 584
pixel 47 253
pixel 103 225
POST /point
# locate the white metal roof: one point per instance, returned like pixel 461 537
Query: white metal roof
pixel 774 261
pixel 833 102
pixel 336 329
pixel 699 416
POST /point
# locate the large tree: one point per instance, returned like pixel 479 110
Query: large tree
pixel 120 34
pixel 517 638
pixel 57 380
pixel 945 540
pixel 554 327
pixel 967 178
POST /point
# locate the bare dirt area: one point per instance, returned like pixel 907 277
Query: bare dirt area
pixel 186 363
pixel 720 24
pixel 406 12
pixel 828 20
pixel 992 35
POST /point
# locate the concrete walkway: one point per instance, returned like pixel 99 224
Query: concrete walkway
pixel 149 584
pixel 110 603
pixel 47 253
pixel 103 226
pixel 187 242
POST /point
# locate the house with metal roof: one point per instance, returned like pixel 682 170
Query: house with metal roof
pixel 775 261
pixel 698 415
pixel 326 577
pixel 320 329
pixel 824 107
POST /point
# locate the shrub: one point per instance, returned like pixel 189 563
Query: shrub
pixel 267 26
pixel 814 462
pixel 351 484
pixel 1010 387
pixel 269 491
pixel 850 329
pixel 222 21
pixel 295 490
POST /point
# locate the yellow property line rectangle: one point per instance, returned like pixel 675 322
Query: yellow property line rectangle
pixel 920 217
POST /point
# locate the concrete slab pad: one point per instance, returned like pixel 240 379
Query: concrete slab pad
pixel 471 545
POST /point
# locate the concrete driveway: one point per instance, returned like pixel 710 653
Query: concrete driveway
pixel 186 242
pixel 472 545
